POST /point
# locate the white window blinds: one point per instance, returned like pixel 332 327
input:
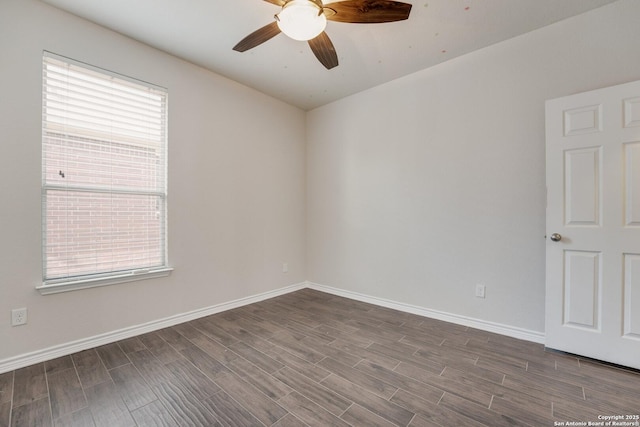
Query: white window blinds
pixel 104 174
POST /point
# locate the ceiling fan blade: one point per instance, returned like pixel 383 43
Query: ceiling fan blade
pixel 258 37
pixel 368 11
pixel 276 2
pixel 323 50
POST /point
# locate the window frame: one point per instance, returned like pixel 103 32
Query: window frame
pixel 84 280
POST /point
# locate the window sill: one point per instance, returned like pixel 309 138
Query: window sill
pixel 74 285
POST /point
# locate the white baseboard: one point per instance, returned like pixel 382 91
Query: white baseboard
pixel 498 328
pixel 50 353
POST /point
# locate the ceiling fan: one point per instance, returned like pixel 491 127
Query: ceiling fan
pixel 305 20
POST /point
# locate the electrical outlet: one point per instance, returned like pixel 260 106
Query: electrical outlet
pixel 18 316
pixel 285 267
pixel 480 290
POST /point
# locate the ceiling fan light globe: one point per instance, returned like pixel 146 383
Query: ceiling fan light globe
pixel 301 20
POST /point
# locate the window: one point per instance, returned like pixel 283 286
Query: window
pixel 104 177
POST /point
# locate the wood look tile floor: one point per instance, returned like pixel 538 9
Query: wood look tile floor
pixel 313 359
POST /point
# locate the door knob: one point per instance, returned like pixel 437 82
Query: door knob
pixel 556 237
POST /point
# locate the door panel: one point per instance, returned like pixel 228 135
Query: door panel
pixel 583 181
pixel 582 120
pixel 632 296
pixel 632 184
pixel 582 284
pixel 593 202
pixel 632 112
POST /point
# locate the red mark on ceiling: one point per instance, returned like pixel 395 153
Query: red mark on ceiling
pixel 467 8
pixel 444 51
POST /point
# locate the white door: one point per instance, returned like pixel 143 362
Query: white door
pixel 593 224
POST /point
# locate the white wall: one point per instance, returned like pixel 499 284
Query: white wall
pixel 420 188
pixel 236 186
pixel 417 189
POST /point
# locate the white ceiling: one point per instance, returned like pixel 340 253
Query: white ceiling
pixel 204 32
